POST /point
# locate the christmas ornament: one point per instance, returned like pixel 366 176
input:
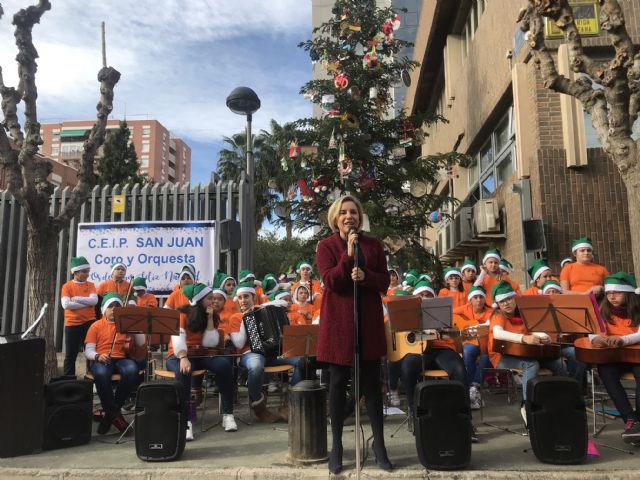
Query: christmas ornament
pixel 306 193
pixel 355 27
pixel 396 22
pixel 376 149
pixel 354 92
pixel 373 93
pixel 272 183
pixel 320 184
pixel 327 102
pixel 370 60
pixel 358 49
pixel 350 120
pixel 332 140
pixel 340 81
pixel 294 150
pixel 284 164
pixel 399 152
pixel 435 216
pixel 418 189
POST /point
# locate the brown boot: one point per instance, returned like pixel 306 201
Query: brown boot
pixel 260 409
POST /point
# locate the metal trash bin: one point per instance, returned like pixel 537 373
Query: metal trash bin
pixel 307 423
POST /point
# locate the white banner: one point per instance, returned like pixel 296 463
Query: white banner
pixel 153 250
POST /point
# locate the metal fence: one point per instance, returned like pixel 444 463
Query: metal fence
pixel 156 202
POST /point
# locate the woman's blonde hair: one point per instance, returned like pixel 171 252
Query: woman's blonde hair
pixel 334 211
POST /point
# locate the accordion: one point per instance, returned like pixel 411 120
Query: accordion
pixel 264 329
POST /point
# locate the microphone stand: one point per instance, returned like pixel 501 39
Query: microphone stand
pixel 356 361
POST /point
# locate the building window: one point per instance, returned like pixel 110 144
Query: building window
pixel 55 150
pixel 145 146
pixel 473 19
pixel 144 160
pixel 146 130
pixel 495 162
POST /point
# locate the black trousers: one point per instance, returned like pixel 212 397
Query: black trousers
pixel 610 375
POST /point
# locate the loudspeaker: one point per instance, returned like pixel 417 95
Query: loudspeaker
pixel 161 421
pixel 557 420
pixel 534 235
pixel 230 231
pixel 21 387
pixel 442 424
pixel 68 405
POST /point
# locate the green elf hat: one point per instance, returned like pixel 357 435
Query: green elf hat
pixel 505 265
pixel 565 261
pixel 295 293
pixel 189 271
pixel 399 292
pixel 493 253
pixel 475 291
pixel 139 283
pixel 196 292
pixel 245 275
pixel 582 242
pixel 117 265
pixel 269 284
pixel 621 282
pixel 279 295
pixel 423 286
pixel 468 264
pixel 78 263
pixel 501 291
pixel 410 278
pixel 244 287
pixel 109 299
pixel 424 277
pixel 537 268
pixel 451 271
pixel 303 263
pixel 551 285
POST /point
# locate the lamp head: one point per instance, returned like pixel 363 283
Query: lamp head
pixel 243 101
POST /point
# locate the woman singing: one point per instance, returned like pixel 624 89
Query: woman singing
pixel 336 264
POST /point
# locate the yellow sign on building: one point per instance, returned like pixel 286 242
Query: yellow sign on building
pixel 118 203
pixel 586 15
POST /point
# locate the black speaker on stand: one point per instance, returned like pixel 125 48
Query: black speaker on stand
pixel 68 405
pixel 442 424
pixel 557 420
pixel 161 421
pixel 21 386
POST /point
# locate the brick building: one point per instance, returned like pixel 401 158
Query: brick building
pixel 162 157
pixel 61 176
pixel 538 177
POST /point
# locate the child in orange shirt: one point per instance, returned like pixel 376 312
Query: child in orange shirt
pixel 301 312
pixel 177 298
pixel 394 282
pixel 469 274
pixel 117 283
pixel 621 311
pixel 453 279
pixel 491 274
pixel 143 298
pixel 583 276
pixel 79 299
pixel 248 276
pixel 540 272
pixel 305 271
pixel 106 349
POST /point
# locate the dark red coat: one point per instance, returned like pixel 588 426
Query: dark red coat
pixel 335 340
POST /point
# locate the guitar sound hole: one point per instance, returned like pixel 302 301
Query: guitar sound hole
pixel 411 338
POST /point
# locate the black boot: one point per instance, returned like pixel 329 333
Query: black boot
pixel 335 459
pixel 382 460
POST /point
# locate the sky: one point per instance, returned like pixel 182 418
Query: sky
pixel 178 59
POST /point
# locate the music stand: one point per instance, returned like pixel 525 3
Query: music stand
pixel 560 313
pixel 437 313
pixel 300 341
pixel 404 315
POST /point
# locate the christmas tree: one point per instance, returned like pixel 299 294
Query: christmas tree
pixel 358 145
pixel 119 163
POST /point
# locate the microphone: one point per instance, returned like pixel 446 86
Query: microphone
pixel 353 230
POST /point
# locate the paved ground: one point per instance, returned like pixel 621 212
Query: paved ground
pixel 260 451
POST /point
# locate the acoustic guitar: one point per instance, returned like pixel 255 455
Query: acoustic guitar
pixel 537 352
pixel 587 353
pixel 401 344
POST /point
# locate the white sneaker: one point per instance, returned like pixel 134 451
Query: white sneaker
pixel 394 398
pixel 273 387
pixel 523 412
pixel 189 434
pixel 229 423
pixel 475 398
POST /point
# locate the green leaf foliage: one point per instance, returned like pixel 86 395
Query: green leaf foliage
pixel 119 162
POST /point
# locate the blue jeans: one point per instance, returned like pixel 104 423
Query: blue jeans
pixel 395 371
pixel 73 338
pixel 575 368
pixel 128 370
pixel 437 358
pixel 530 368
pixel 474 363
pixel 255 363
pixel 220 366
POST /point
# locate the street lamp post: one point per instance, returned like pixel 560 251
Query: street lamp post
pixel 244 101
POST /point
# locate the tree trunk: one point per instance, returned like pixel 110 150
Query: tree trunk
pixel 42 255
pixel 631 180
pixel 289 229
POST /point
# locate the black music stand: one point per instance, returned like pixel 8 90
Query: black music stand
pixel 560 313
pixel 150 321
pixel 300 341
pixel 437 313
pixel 404 315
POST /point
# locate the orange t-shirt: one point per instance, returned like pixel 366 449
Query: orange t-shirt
pixel 193 339
pixel 101 333
pixel 259 295
pixel 176 299
pixel 488 283
pixel 391 291
pixel 313 286
pixel 297 318
pixel 81 315
pixel 464 316
pixel 235 322
pixel 532 290
pixel 466 286
pixel 459 297
pixel 619 327
pixel 147 300
pixel 583 276
pixel 121 288
pixel 501 320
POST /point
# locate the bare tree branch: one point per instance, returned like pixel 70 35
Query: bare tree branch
pixel 10 101
pixel 108 78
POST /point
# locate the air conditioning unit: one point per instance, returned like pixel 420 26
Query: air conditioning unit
pixel 486 217
pixel 463 221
